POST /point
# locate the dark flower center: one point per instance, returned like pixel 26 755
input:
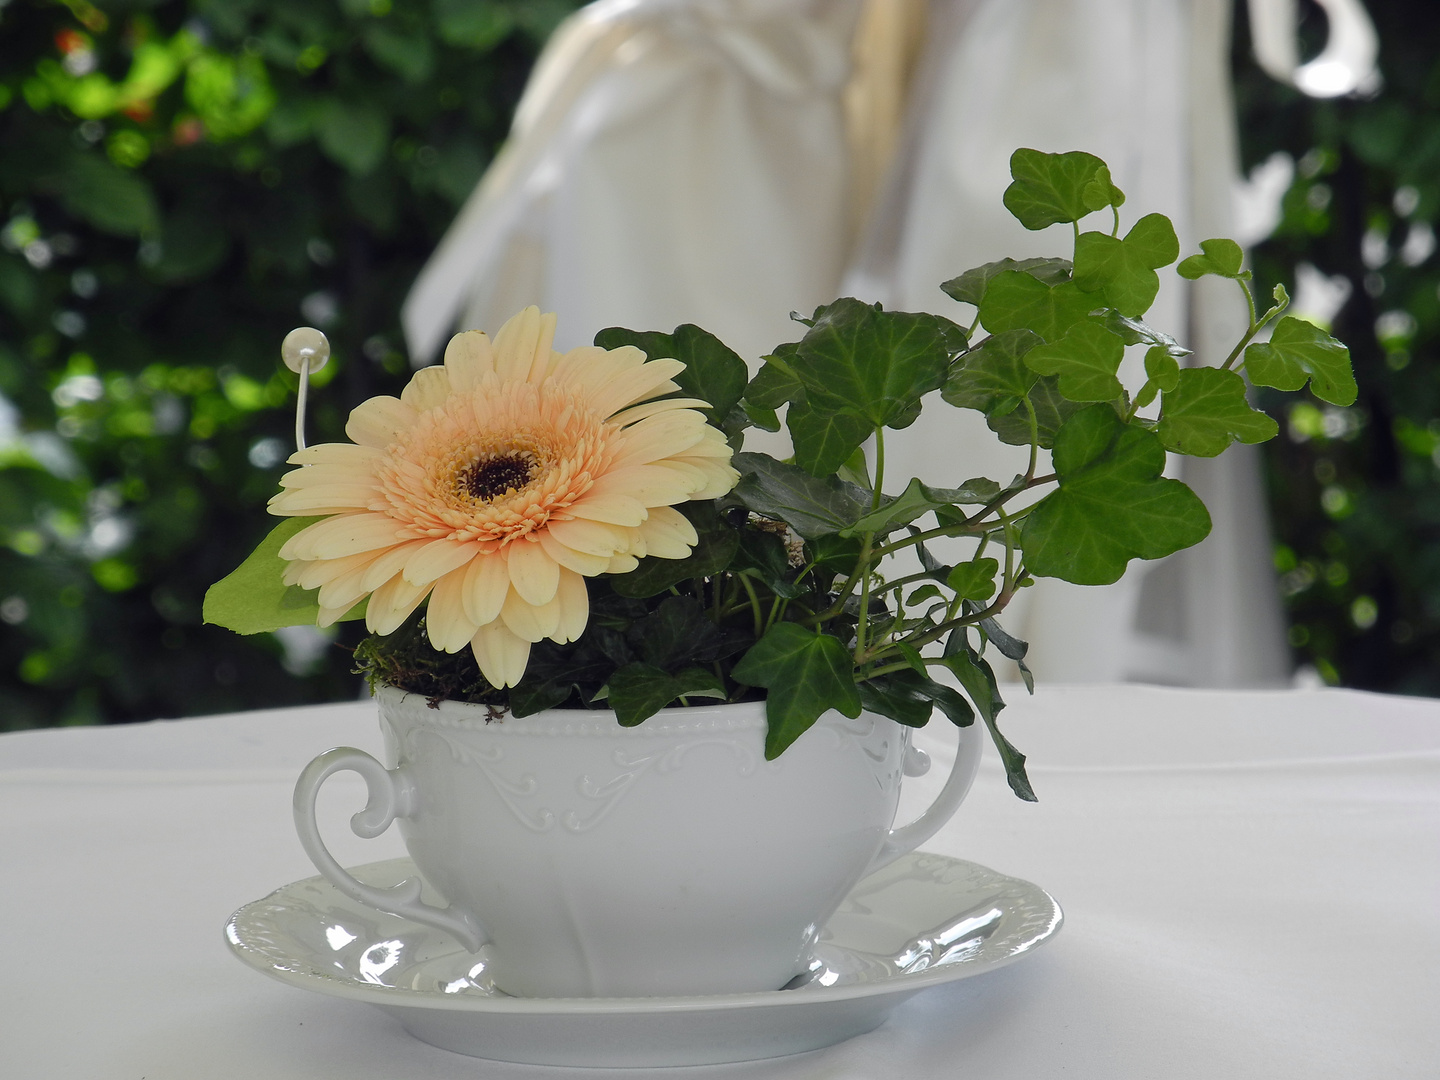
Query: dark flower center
pixel 489 478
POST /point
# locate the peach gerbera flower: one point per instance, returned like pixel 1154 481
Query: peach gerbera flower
pixel 495 484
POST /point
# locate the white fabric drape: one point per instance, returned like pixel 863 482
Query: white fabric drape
pixel 687 162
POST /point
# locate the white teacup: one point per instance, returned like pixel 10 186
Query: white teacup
pixel 665 859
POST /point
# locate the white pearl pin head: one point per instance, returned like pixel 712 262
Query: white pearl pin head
pixel 305 343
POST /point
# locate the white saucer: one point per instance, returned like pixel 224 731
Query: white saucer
pixel 921 921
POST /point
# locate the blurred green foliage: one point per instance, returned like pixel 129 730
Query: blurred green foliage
pixel 181 184
pixel 1355 492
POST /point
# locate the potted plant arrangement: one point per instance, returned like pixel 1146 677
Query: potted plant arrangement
pixel 647 693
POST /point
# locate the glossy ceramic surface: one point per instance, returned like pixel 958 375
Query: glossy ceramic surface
pixel 921 921
pixel 665 859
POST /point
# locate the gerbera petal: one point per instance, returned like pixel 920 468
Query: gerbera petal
pixel 438 558
pixel 379 421
pixel 649 380
pixel 322 499
pixel 574 600
pixel 391 604
pixel 427 389
pixel 720 477
pixel 317 475
pixel 344 591
pixel 387 564
pixel 345 534
pixel 615 509
pixel 530 621
pixel 650 408
pixel 445 621
pixel 330 616
pixel 579 561
pixel 468 359
pixel 663 543
pixel 312 575
pixel 652 485
pixel 668 434
pixel 622 564
pixel 336 454
pixel 672 527
pixel 589 537
pixel 519 342
pixel 486 584
pixel 501 655
pixel 533 573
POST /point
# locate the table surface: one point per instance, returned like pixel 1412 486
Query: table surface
pixel 1251 883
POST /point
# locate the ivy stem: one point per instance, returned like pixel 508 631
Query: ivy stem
pixel 1034 437
pixel 754 605
pixel 1249 334
pixel 878 493
pixel 1116 211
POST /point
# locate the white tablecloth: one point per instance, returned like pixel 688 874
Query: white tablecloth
pixel 1251 884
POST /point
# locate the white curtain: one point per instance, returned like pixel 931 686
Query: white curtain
pixel 691 162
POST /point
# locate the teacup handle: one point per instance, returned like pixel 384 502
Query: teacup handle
pixel 391 796
pixel 962 774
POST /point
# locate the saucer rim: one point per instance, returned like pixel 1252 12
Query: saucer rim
pixel 901 985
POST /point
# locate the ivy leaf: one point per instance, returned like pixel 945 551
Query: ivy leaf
pixel 716 546
pixel 1123 271
pixel 1221 257
pixel 978 679
pixel 1052 409
pixel 1299 350
pixel 805 673
pixel 898 696
pixel 873 363
pixel 993 377
pixel 530 697
pixel 1162 372
pixel 252 599
pixel 762 555
pixel 638 691
pixel 1050 188
pixel 1112 504
pixel 1163 369
pixel 917 499
pixel 1134 332
pixel 969 287
pixel 1085 361
pixel 1016 301
pixel 1102 192
pixel 974 580
pixel 680 632
pixel 809 505
pixel 775 384
pixel 713 372
pixel 824 439
pixel 1206 411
